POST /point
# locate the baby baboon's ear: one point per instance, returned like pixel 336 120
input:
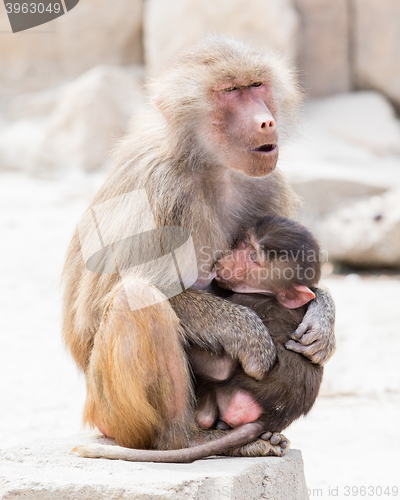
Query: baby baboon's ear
pixel 295 296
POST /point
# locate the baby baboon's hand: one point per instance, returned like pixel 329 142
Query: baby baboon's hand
pixel 315 338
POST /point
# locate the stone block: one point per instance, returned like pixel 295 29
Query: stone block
pixel 46 469
pixel 92 33
pixel 168 26
pixel 377 46
pixel 323 46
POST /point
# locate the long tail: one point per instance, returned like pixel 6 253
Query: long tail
pixel 236 437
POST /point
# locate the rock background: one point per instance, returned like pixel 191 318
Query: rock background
pixel 69 88
pixel 90 34
pixel 271 24
pixel 337 46
pixel 376 45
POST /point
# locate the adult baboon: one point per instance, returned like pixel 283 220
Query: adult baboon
pixel 205 156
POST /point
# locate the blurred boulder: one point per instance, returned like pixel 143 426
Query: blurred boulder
pixel 353 136
pixel 268 24
pixel 377 46
pixel 86 117
pixel 364 119
pixel 323 46
pixel 94 32
pixel 366 233
pixel 323 196
pixel 32 104
pixel 346 153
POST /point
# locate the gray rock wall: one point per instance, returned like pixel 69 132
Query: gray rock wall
pixel 94 32
pixel 170 25
pixel 323 46
pixel 377 46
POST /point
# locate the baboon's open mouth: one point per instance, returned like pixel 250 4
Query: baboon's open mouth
pixel 265 148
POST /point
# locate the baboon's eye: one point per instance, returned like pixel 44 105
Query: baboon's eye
pixel 256 84
pixel 230 89
pixel 253 256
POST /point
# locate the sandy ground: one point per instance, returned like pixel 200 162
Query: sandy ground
pixel 350 439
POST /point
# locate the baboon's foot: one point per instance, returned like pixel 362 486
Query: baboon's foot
pixel 268 445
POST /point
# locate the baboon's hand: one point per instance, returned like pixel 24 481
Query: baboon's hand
pixel 315 338
pixel 214 323
pixel 252 346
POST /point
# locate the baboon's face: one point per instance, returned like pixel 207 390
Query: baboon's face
pixel 242 129
pixel 241 269
pixel 245 270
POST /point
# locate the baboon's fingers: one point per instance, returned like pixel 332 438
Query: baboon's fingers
pixel 315 352
pixel 301 330
pixel 275 446
pixel 310 337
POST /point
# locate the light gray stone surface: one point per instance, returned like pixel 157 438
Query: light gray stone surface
pixel 348 137
pixel 323 46
pixel 324 195
pixel 94 32
pixel 170 25
pixel 74 125
pixel 363 119
pixel 366 233
pixel 376 28
pixel 45 470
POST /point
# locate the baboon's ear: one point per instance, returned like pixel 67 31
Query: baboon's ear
pixel 295 296
pixel 158 101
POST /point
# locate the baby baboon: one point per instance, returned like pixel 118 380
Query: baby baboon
pixel 276 263
pixel 204 158
pixel 275 266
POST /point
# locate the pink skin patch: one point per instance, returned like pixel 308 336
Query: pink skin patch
pixel 205 421
pixel 242 409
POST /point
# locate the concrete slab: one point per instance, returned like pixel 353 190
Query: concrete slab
pixel 44 470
